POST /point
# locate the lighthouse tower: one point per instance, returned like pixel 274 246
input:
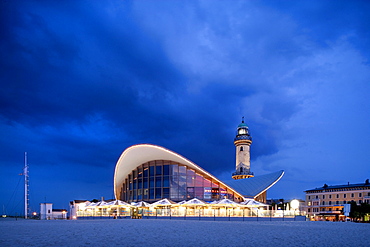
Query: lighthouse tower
pixel 242 143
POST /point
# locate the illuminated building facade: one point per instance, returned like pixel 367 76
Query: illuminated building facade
pixel 148 173
pixel 327 202
pixel 159 179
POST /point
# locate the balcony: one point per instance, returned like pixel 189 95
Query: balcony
pixel 330 212
pixel 245 172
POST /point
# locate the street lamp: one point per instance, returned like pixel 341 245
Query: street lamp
pixel 294 204
pixel 64 214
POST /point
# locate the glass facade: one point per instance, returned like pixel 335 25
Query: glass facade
pixel 160 179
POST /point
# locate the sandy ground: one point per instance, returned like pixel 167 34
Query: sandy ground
pixel 161 232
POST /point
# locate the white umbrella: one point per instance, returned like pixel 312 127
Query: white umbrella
pixel 118 203
pixel 164 202
pixel 101 203
pixel 142 204
pixel 195 201
pixel 228 202
pixel 92 204
pixel 253 203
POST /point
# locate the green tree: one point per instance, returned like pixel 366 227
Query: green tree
pixel 364 209
pixel 354 213
pixel 358 212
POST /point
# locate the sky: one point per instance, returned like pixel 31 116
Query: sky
pixel 81 81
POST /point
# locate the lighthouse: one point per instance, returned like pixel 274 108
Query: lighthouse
pixel 242 142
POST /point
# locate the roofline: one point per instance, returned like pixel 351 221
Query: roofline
pixel 272 184
pixel 161 151
pixel 340 186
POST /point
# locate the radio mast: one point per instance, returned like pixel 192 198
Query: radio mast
pixel 26 185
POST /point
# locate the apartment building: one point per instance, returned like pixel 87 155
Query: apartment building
pixel 327 202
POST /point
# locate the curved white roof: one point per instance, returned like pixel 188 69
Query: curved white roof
pixel 136 155
pixel 253 187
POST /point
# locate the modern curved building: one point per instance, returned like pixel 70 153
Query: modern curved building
pixel 148 172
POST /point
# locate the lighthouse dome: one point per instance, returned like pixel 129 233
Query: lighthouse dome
pixel 242 125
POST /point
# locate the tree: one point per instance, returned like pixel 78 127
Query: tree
pixel 359 212
pixel 364 210
pixel 354 213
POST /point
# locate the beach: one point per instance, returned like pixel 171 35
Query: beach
pixel 164 232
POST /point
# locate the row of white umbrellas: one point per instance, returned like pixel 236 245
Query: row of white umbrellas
pixel 191 202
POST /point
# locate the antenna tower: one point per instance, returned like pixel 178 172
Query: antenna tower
pixel 26 187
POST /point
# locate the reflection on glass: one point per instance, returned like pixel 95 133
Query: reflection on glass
pixel 190 192
pixel 158 193
pixel 190 172
pixel 158 181
pixel 174 170
pixel 146 172
pixel 207 182
pixel 167 179
pixel 198 180
pixel 190 181
pixel 158 170
pixel 151 171
pixel 166 170
pixel 207 193
pixel 199 191
pixel 166 192
pixel 182 170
